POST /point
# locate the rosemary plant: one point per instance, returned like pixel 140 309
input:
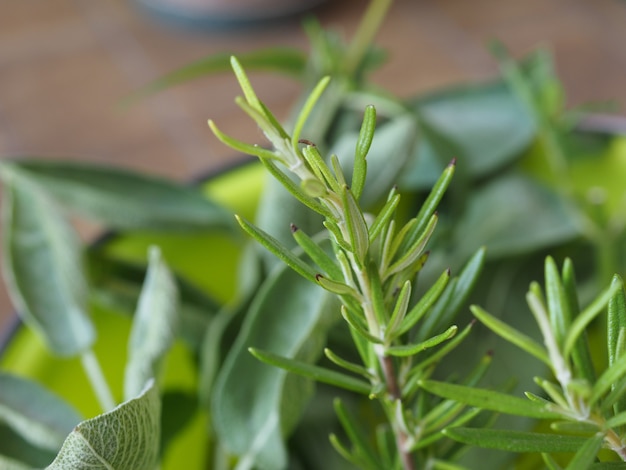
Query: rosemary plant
pixel 372 269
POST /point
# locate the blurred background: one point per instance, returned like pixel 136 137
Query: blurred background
pixel 66 64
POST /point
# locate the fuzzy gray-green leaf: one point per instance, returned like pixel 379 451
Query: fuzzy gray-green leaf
pixel 126 438
pixel 154 326
pixel 255 405
pixel 37 415
pixel 43 269
pixel 121 198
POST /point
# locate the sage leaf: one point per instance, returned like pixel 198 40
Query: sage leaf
pixel 513 215
pixel 125 438
pixel 120 198
pixel 43 270
pixel 516 441
pixel 37 415
pixel 486 123
pixel 254 405
pixel 154 326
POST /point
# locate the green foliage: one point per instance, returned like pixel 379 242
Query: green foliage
pixel 382 220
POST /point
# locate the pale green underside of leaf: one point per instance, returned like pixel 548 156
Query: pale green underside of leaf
pixel 254 404
pixel 126 438
pixel 43 270
pixel 516 441
pixel 154 326
pixel 121 198
pixel 37 415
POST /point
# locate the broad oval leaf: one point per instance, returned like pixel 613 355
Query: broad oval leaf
pixel 44 271
pixel 121 198
pixel 154 326
pixel 511 215
pixel 485 124
pixel 255 405
pixel 37 415
pixel 126 438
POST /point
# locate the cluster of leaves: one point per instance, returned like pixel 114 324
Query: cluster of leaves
pixel 526 182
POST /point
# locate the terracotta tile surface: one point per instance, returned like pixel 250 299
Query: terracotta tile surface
pixel 64 64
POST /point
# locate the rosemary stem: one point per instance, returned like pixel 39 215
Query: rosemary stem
pixel 386 363
pixel 98 382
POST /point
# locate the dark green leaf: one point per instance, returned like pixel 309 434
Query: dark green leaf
pixel 616 320
pixel 255 405
pixel 586 454
pixel 486 123
pixel 126 438
pixel 16 453
pixel 43 270
pixel 37 415
pixel 581 354
pixel 454 296
pixel 121 198
pixel 513 215
pixel 320 374
pixel 489 399
pixel 516 441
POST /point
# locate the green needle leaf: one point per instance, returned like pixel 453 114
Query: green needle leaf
pixel 366 135
pixel 616 320
pixel 317 254
pixel 245 85
pixel 278 249
pixel 510 334
pixel 558 308
pixel 516 441
pixel 586 454
pixel 362 446
pixel 431 202
pixel 425 302
pixel 314 372
pixel 488 399
pixel 412 349
pixel 587 315
pixel 311 100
